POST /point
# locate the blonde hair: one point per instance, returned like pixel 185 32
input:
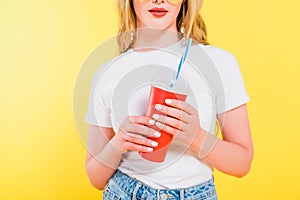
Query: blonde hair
pixel 193 23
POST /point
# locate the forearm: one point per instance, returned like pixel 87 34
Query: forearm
pixel 227 157
pixel 101 167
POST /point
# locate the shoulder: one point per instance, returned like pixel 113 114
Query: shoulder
pixel 219 55
pixel 102 70
pixel 223 60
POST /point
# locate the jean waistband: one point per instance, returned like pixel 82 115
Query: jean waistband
pixel 132 186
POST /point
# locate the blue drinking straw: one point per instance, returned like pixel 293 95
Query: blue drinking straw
pixel 182 60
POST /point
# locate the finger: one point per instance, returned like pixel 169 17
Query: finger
pixel 178 124
pixel 173 112
pixel 142 130
pixel 140 120
pixel 137 139
pixel 136 147
pixel 168 129
pixel 181 105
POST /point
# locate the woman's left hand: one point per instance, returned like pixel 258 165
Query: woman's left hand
pixel 182 121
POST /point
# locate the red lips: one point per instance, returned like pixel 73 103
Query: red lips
pixel 158 12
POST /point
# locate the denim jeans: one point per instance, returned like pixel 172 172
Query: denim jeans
pixel 122 187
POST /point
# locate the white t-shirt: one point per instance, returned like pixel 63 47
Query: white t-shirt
pixel 121 87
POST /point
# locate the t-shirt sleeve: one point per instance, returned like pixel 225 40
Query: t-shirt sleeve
pixel 98 110
pixel 232 92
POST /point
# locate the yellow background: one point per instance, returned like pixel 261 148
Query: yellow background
pixel 43 44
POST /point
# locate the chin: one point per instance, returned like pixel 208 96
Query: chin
pixel 156 26
pixel 159 24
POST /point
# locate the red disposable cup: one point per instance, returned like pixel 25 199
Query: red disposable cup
pixel 158 95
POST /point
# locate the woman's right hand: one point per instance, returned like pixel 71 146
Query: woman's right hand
pixel 134 133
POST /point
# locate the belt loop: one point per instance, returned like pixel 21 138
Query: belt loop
pixel 158 195
pixel 137 187
pixel 181 194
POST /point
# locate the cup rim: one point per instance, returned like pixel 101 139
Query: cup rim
pixel 166 88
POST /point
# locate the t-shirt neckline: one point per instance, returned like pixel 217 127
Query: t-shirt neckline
pixel 171 46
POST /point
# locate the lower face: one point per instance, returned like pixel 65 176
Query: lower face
pixel 157 15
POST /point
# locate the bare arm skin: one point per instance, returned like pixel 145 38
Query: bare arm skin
pixel 105 148
pixel 233 155
pixel 98 172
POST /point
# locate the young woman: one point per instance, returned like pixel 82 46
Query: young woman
pixel 113 163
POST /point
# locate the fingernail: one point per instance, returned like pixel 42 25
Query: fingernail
pixel 149 149
pixel 151 121
pixel 158 106
pixel 157 134
pixel 153 143
pixel 155 116
pixel 159 125
pixel 168 101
